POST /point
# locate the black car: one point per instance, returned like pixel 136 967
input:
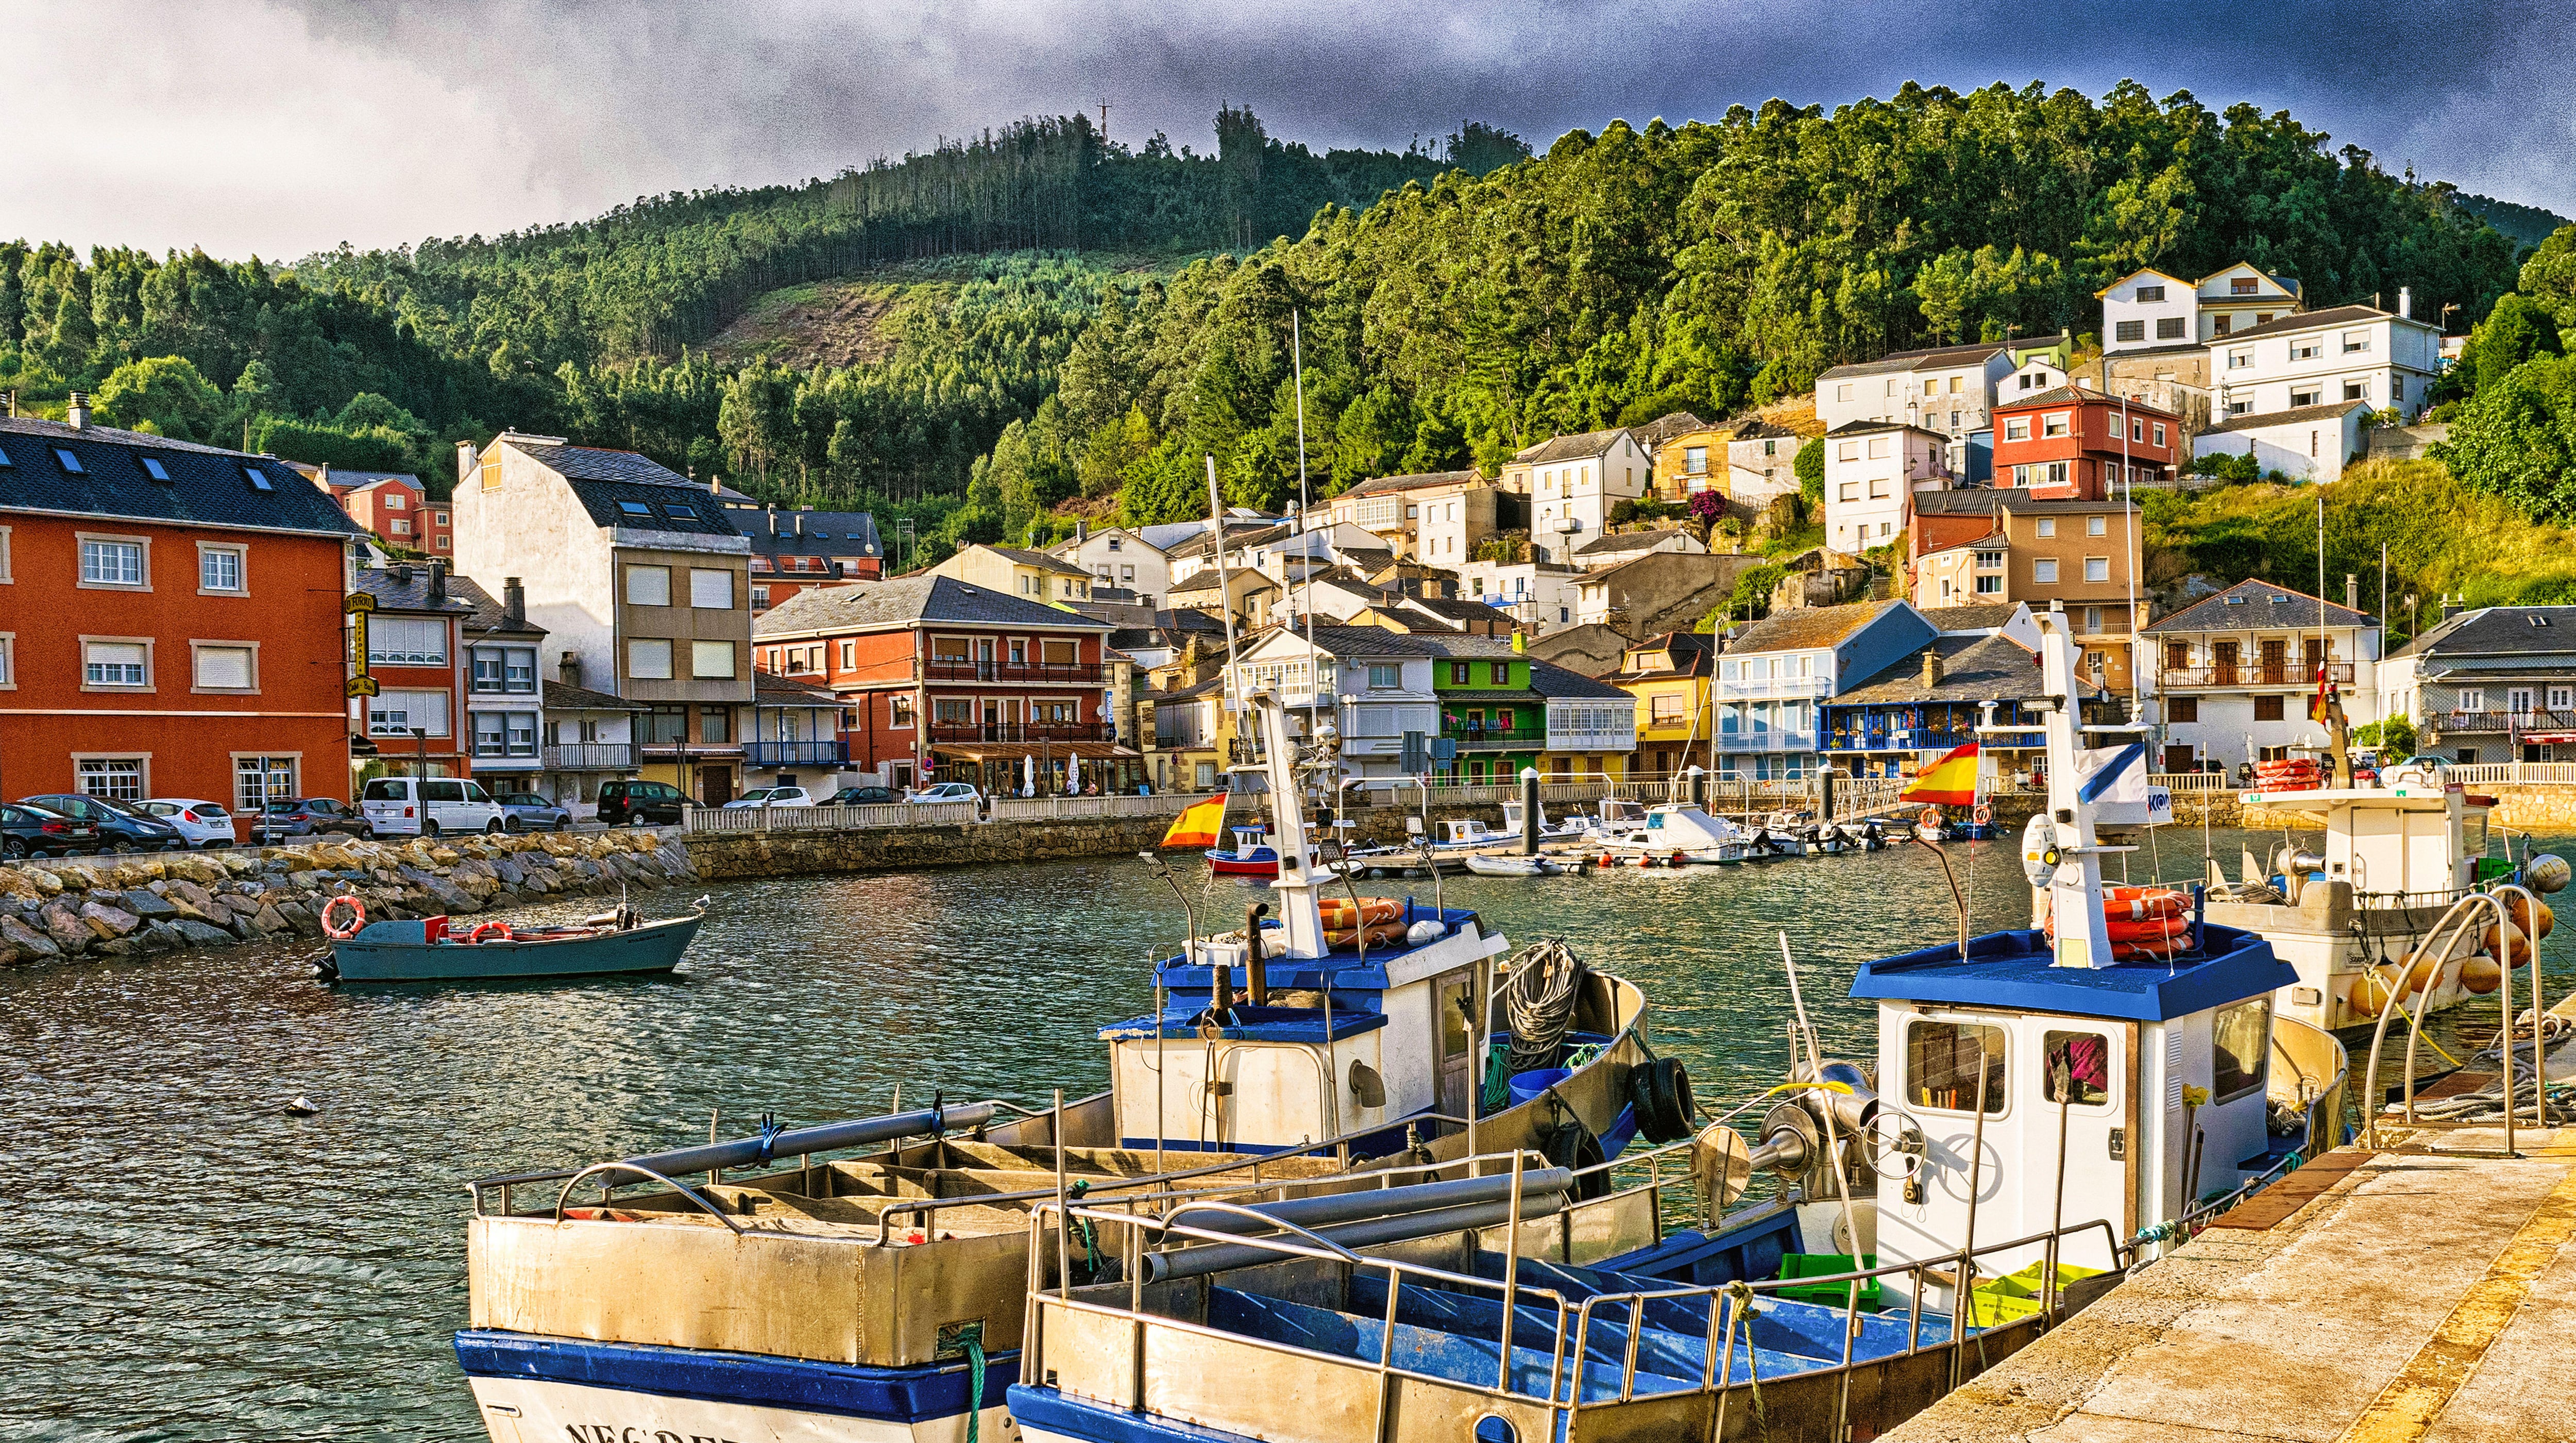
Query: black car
pixel 307 817
pixel 120 828
pixel 640 804
pixel 867 797
pixel 33 831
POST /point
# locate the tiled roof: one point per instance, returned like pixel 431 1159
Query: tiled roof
pixel 1553 681
pixel 558 695
pixel 1961 619
pixel 2070 395
pixel 487 615
pixel 1808 627
pixel 1973 669
pixel 2310 321
pixel 1664 428
pixel 1414 482
pixel 771 689
pixel 2296 415
pixel 1455 609
pixel 1042 562
pixel 207 485
pixel 1860 428
pixel 910 601
pixel 1627 541
pixel 827 533
pixel 1969 500
pixel 2499 631
pixel 2260 606
pixel 1571 448
pixel 405 587
pixel 1939 358
pixel 1461 645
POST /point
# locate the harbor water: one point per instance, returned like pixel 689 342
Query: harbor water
pixel 186 1261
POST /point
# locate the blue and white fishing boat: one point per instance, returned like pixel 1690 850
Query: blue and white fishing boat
pixel 784 1286
pixel 2046 1107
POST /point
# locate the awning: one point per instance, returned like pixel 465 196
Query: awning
pixel 1013 751
pixel 2547 737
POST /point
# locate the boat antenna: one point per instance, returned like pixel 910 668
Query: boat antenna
pixel 1305 534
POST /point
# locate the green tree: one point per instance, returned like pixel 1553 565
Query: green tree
pixel 2549 276
pixel 167 392
pixel 2518 329
pixel 2517 439
pixel 1809 463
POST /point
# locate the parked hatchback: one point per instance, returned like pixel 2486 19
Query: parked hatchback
pixel 204 824
pixel 959 792
pixel 427 806
pixel 873 797
pixel 640 804
pixel 785 797
pixel 120 827
pixel 306 817
pixel 33 831
pixel 528 812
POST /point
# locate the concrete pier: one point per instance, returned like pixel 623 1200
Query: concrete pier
pixel 2421 1291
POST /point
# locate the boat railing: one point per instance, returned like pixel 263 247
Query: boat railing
pixel 2452 925
pixel 1729 1307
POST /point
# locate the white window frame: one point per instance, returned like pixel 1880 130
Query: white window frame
pixel 2047 526
pixel 196 661
pixel 83 540
pixel 2097 568
pixel 240 555
pixel 640 647
pixel 8 661
pixel 264 766
pixel 6 577
pixel 82 761
pixel 700 653
pixel 378 654
pixel 655 581
pixel 145 642
pixel 2043 571
pixel 442 711
pixel 2097 525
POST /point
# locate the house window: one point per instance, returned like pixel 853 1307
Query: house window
pixel 2472 698
pixel 219 569
pixel 2355 341
pixel 2306 349
pixel 715 724
pixel 400 713
pixel 2147 295
pixel 1694 462
pixel 1849 491
pixel 1877 452
pixel 648 586
pixel 225 667
pixel 116 663
pixel 2352 391
pixel 1384 678
pixel 2239 360
pixel 1842 392
pixel 760 602
pixel 899 717
pixel 1990 586
pixel 2044 570
pixel 111 563
pixel 1877 492
pixel 850 661
pixel 119 779
pixel 401 527
pixel 2267 708
pixel 1847 451
pixel 258 781
pixel 2016 428
pixel 2240 285
pixel 2097 568
pixel 1943 1063
pixel 490 731
pixel 711 659
pixel 2160 440
pixel 2053 425
pixel 2047 526
pixel 2223 324
pixel 1459 671
pixel 2127 331
pixel 710 590
pixel 2097 525
pixel 2560 699
pixel 406 641
pixel 648 658
pixel 2306 396
pixel 2184 709
pixel 1990 561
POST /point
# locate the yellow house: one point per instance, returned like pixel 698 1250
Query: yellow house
pixel 1668 675
pixel 1014 572
pixel 1692 460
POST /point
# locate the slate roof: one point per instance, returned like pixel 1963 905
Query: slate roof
pixel 2262 606
pixel 1464 646
pixel 2067 396
pixel 911 601
pixel 1056 564
pixel 1414 482
pixel 207 486
pixel 1858 428
pixel 2307 321
pixel 1454 609
pixel 1938 358
pixel 827 533
pixel 487 615
pixel 1554 682
pixel 1625 541
pixel 1358 641
pixel 1957 620
pixel 771 689
pixel 1973 669
pixel 1571 448
pixel 1691 652
pixel 405 587
pixel 1655 433
pixel 2332 410
pixel 2499 631
pixel 1808 627
pixel 558 695
pixel 1969 500
pixel 1751 428
pixel 608 482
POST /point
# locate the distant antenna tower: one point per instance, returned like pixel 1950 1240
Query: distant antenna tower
pixel 1104 122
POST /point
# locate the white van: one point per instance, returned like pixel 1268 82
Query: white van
pixel 427 806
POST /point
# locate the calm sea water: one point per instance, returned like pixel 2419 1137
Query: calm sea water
pixel 185 1261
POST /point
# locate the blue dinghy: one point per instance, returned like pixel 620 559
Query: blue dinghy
pixel 431 950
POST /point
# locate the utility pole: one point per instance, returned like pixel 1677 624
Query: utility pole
pixel 1104 122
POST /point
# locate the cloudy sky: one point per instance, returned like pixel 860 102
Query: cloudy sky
pixel 284 126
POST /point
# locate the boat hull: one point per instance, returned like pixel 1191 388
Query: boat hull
pixel 653 947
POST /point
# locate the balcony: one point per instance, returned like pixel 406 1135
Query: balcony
pixel 961 732
pixel 2514 722
pixel 2205 678
pixel 1471 734
pixel 1623 740
pixel 795 754
pixel 590 757
pixel 1767 688
pixel 958 668
pixel 1766 741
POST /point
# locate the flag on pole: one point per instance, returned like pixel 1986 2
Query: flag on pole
pixel 1949 782
pixel 1199 826
pixel 2325 694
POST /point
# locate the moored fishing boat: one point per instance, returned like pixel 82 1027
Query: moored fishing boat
pixel 431 949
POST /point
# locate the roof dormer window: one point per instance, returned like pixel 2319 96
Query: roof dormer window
pixel 2538 619
pixel 153 468
pixel 678 512
pixel 258 479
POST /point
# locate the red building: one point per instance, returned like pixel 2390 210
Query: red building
pixel 2074 444
pixel 793 551
pixel 169 620
pixel 942 681
pixel 391 504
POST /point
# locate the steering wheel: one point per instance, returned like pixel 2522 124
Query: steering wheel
pixel 1893 1135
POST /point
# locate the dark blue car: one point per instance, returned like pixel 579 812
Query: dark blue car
pixel 120 828
pixel 34 831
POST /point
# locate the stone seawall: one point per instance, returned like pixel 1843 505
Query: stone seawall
pixel 2543 809
pixel 126 906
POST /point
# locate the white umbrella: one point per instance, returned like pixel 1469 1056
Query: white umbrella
pixel 1073 774
pixel 1029 775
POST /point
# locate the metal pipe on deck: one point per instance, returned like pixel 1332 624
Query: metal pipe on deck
pixel 824 1137
pixel 1347 1207
pixel 1219 1257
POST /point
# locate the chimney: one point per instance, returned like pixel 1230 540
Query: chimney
pixel 715 486
pixel 464 462
pixel 514 603
pixel 570 668
pixel 2451 606
pixel 1081 534
pixel 2351 592
pixel 1932 668
pixel 2406 301
pixel 437 582
pixel 78 415
pixel 773 530
pixel 401 572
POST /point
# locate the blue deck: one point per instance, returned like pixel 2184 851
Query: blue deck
pixel 2014 970
pixel 756 1380
pixel 1355 976
pixel 1252 1024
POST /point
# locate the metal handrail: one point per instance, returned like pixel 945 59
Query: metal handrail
pixel 2463 910
pixel 631 1167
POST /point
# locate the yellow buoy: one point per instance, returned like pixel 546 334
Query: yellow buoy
pixel 2374 989
pixel 2481 975
pixel 2509 943
pixel 2421 972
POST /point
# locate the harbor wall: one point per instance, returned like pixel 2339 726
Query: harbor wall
pixel 2541 808
pixel 149 903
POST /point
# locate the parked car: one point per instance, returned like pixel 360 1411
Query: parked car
pixel 640 804
pixel 33 831
pixel 528 812
pixel 120 827
pixel 775 797
pixel 948 792
pixel 427 806
pixel 865 797
pixel 204 824
pixel 306 817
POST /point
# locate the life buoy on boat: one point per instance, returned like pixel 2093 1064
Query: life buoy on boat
pixel 1931 815
pixel 1335 912
pixel 357 920
pixel 1984 813
pixel 2139 903
pixel 500 930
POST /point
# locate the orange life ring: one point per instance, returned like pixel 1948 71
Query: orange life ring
pixel 1984 813
pixel 340 934
pixel 1931 814
pixel 475 937
pixel 2138 903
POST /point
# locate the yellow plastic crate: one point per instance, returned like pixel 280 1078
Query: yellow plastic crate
pixel 2016 1296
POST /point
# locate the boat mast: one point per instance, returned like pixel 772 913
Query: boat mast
pixel 2058 847
pixel 1295 887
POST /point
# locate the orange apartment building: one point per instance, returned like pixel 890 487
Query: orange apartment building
pixel 170 620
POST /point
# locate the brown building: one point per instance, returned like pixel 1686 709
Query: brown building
pixel 2071 556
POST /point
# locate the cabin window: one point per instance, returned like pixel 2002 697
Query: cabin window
pixel 2077 1068
pixel 1454 1008
pixel 1941 1065
pixel 2238 1041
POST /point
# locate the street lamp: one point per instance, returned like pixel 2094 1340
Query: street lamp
pixel 420 735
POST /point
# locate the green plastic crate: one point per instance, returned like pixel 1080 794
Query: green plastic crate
pixel 1826 1265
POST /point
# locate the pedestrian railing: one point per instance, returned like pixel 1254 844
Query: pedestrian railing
pixel 703 820
pixel 2190 781
pixel 1039 809
pixel 2528 774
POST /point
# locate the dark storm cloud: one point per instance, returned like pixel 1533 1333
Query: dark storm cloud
pixel 458 115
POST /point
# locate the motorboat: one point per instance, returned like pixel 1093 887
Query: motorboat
pixel 1503 865
pixel 438 949
pixel 1250 856
pixel 1572 825
pixel 1674 833
pixel 866 1279
pixel 2002 1160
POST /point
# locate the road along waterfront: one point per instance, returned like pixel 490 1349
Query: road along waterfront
pixel 190 1263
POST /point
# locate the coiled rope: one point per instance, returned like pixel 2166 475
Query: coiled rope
pixel 1544 982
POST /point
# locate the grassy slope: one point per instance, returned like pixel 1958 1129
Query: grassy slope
pixel 842 321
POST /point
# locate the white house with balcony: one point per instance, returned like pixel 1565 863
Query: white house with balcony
pixel 1121 557
pixel 1376 682
pixel 2381 359
pixel 1536 595
pixel 2497 684
pixel 1872 470
pixel 1591 725
pixel 1775 675
pixel 2236 673
pixel 1573 482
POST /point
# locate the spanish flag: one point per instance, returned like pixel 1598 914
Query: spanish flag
pixel 1949 782
pixel 1199 826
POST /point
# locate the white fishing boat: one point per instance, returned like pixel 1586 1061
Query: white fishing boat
pixel 1502 864
pixel 1670 833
